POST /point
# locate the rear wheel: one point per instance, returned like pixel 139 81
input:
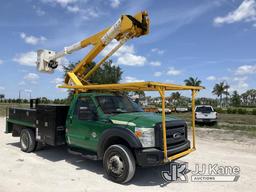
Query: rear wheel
pixel 27 140
pixel 119 164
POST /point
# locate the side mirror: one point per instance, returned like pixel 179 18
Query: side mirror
pixel 85 113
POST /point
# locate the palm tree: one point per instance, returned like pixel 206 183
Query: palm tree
pixel 249 97
pixel 245 97
pixel 236 99
pixel 175 97
pixel 192 81
pixel 220 89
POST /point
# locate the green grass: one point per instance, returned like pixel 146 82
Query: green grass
pixel 3 107
pixel 245 123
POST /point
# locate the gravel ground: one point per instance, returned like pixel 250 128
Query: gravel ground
pixel 53 169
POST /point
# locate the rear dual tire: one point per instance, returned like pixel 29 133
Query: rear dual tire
pixel 27 140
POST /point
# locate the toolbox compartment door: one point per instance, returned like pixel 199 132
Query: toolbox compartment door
pixel 50 124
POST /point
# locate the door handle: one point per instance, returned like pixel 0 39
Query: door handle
pixel 70 119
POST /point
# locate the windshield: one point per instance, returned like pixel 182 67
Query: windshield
pixel 204 109
pixel 117 104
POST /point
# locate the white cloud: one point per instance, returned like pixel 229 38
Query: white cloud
pixel 155 63
pixel 173 71
pixel 62 3
pixel 73 9
pixel 39 11
pixel 211 78
pixel 129 79
pixel 2 88
pixel 31 78
pixel 245 12
pixel 28 58
pixel 157 74
pixel 214 78
pixel 28 90
pixel 122 50
pixel 89 13
pixel 74 6
pixel 22 83
pixel 32 40
pixel 23 70
pixel 126 55
pixel 131 60
pixel 158 51
pixel 114 3
pixel 169 81
pixel 244 78
pixel 239 84
pixel 246 69
pixel 57 80
pixel 1 61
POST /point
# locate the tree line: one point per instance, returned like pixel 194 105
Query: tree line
pixel 109 73
pixel 221 90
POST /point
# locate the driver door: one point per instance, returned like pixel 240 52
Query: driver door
pixel 84 118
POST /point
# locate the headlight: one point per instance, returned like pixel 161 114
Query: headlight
pixel 146 136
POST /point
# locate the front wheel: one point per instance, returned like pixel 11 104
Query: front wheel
pixel 119 163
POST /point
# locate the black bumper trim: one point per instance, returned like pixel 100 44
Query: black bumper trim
pixel 205 120
pixel 154 156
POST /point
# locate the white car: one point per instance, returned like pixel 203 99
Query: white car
pixel 181 109
pixel 167 110
pixel 205 114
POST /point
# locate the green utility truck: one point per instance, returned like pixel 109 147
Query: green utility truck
pixel 107 127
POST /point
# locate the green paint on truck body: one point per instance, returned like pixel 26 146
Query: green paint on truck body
pixel 86 134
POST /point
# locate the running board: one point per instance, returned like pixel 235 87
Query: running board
pixel 83 153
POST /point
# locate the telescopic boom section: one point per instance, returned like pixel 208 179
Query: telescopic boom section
pixel 126 27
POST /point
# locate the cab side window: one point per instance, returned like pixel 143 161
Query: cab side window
pixel 85 109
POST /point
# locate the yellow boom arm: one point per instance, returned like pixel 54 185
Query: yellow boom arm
pixel 126 27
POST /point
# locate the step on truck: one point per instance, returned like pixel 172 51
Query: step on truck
pixel 106 127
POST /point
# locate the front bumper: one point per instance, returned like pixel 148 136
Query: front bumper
pixel 154 156
pixel 206 120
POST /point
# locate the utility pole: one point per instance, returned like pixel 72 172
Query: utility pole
pixel 20 94
pixel 19 101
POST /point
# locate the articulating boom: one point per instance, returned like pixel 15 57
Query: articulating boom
pixel 127 27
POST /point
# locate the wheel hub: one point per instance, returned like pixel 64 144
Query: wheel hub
pixel 24 141
pixel 116 165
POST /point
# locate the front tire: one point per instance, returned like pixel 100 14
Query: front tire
pixel 119 163
pixel 27 140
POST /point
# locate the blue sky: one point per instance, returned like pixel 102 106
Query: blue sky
pixel 211 40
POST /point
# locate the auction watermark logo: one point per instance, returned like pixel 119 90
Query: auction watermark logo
pixel 179 172
pixel 176 173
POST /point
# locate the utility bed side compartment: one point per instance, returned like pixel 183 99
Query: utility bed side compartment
pixel 19 118
pixel 50 124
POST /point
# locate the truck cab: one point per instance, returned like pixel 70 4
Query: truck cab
pixel 96 122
